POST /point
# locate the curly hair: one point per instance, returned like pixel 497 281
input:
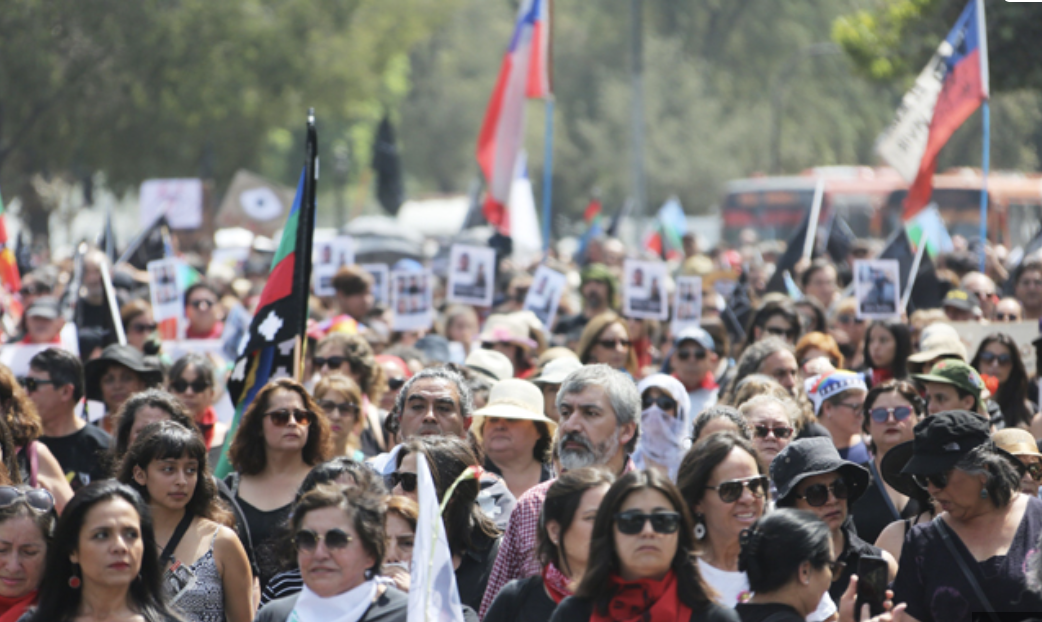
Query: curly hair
pixel 365 510
pixel 359 355
pixel 19 411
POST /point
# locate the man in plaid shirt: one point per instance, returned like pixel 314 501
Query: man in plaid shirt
pixel 600 424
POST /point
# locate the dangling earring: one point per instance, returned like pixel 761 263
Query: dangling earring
pixel 74 580
pixel 700 527
pixel 983 493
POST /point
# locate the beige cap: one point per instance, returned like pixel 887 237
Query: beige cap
pixel 512 398
pixel 491 364
pixel 557 370
pixel 939 339
pixel 1017 441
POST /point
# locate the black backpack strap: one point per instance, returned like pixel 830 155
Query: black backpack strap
pixel 966 571
pixel 167 555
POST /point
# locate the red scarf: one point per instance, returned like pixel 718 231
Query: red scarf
pixel 205 422
pixel 556 583
pixel 13 608
pixel 215 332
pixel 644 600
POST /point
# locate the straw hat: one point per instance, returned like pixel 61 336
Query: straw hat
pixel 512 399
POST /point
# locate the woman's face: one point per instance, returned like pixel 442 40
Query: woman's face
pixel 891 432
pixel 647 554
pixel 996 360
pixel 408 465
pixel 834 511
pixel 334 361
pixel 118 383
pixel 144 416
pixel 652 397
pixel 140 329
pixel 767 418
pixel 292 436
pixel 612 347
pixel 463 329
pixel 110 546
pixel 342 412
pixel 170 482
pixel 395 380
pixel 961 497
pixel 23 552
pixel 725 521
pixel 194 390
pixel 576 540
pixel 846 414
pixel 201 311
pixel 881 347
pixel 507 439
pixel 1028 484
pixel 400 539
pixel 328 572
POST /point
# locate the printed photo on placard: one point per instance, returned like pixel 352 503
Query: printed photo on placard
pixel 644 290
pixel 379 272
pixel 877 288
pixel 330 256
pixel 687 305
pixel 471 275
pixel 412 300
pixel 545 294
pixel 167 299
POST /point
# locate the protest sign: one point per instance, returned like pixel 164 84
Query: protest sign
pixel 381 282
pixel 471 275
pixel 330 256
pixel 544 295
pixel 180 200
pixel 644 290
pixel 412 300
pixel 687 305
pixel 877 288
pixel 166 292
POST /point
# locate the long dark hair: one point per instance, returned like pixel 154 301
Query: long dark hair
pixel 561 504
pixel 127 413
pixel 777 545
pixel 58 601
pixel 1012 394
pixel 902 346
pixel 604 561
pixel 696 469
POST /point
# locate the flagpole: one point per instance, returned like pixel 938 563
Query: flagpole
pixel 548 172
pixel 815 215
pixel 914 272
pixel 305 240
pixel 985 165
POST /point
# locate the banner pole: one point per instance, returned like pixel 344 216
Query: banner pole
pixel 914 271
pixel 985 165
pixel 548 172
pixel 812 224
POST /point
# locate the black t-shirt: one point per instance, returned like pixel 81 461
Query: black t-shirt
pixel 81 454
pixel 872 511
pixel 812 430
pixel 96 316
pixel 762 612
pixel 851 555
pixel 522 600
pixel 475 568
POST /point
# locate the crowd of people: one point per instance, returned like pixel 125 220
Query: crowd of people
pixel 752 466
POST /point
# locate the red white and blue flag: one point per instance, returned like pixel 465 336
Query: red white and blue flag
pixel 951 87
pixel 524 74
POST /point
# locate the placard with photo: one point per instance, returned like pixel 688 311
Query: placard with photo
pixel 329 257
pixel 412 300
pixel 644 290
pixel 472 274
pixel 877 287
pixel 687 304
pixel 166 292
pixel 544 295
pixel 381 282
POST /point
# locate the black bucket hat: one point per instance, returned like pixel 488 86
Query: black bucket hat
pixel 127 356
pixel 890 471
pixel 943 439
pixel 808 457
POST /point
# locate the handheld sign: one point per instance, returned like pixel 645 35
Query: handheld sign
pixel 166 292
pixel 471 275
pixel 544 296
pixel 330 256
pixel 687 305
pixel 877 288
pixel 412 300
pixel 644 290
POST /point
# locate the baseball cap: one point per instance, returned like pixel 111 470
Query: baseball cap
pixel 960 299
pixel 491 364
pixel 696 334
pixel 937 340
pixel 956 373
pixel 943 439
pixel 45 307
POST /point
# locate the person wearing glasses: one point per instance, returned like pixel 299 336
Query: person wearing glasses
pixel 776 316
pixel 892 409
pixel 279 439
pixel 606 339
pixel 138 325
pixel 191 380
pixel 396 371
pixel 888 344
pixel 642 559
pixel 120 372
pixel 821 282
pixel 999 357
pixel 810 475
pixel 341 401
pixel 838 398
pixel 1023 445
pixel 352 356
pixel 1008 310
pixel 212 581
pixel 27 519
pixel 773 422
pixel 692 362
pixel 665 422
pixel 203 311
pixel 971 558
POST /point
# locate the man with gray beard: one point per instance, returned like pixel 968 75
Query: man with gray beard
pixel 600 425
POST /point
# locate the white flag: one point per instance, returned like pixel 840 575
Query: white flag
pixel 433 596
pixel 524 224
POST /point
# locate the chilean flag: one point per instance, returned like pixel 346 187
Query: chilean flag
pixel 524 74
pixel 951 87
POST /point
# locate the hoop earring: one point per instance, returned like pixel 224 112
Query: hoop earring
pixel 700 527
pixel 74 579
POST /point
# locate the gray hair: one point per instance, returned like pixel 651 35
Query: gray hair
pixel 787 406
pixel 1002 477
pixel 466 397
pixel 622 393
pixel 757 353
pixel 717 412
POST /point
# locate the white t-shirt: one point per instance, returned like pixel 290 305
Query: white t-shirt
pixel 733 588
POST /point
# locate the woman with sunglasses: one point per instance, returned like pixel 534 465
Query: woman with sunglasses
pixel 27 519
pixel 138 325
pixel 888 344
pixel 892 408
pixel 971 558
pixel 665 420
pixel 352 356
pixel 810 475
pixel 397 372
pixel 775 317
pixel 278 441
pixel 1024 447
pixel 606 339
pixel 191 380
pixel 642 559
pixel 341 401
pixel 999 357
pixel 341 541
pixel 203 311
pixel 773 421
pixel 167 466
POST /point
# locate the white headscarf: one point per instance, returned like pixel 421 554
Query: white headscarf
pixel 664 439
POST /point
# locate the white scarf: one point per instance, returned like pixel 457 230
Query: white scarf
pixel 661 437
pixel 347 607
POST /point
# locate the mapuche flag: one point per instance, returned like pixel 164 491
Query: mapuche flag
pixel 9 275
pixel 951 87
pixel 275 342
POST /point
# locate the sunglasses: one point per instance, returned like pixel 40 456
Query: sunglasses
pixel 611 344
pixel 1006 317
pixel 991 357
pixel 699 355
pixel 282 416
pixel 836 567
pixel 407 480
pixel 197 386
pixel 664 402
pixel 202 305
pixel 1035 470
pixel 817 495
pixel 731 490
pixel 777 331
pixel 32 384
pixel 307 539
pixel 37 498
pixel 34 290
pixel 334 362
pixel 143 328
pixel 900 413
pixel 395 383
pixel 345 408
pixel 937 480
pixel 632 522
pixel 780 432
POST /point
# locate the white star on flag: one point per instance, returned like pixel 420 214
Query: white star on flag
pixel 270 326
pixel 280 372
pixel 239 373
pixel 286 347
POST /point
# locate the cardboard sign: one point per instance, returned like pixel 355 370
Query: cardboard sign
pixel 471 275
pixel 412 300
pixel 877 287
pixel 165 289
pixel 544 295
pixel 644 290
pixel 687 305
pixel 381 282
pixel 180 200
pixel 329 257
pixel 255 203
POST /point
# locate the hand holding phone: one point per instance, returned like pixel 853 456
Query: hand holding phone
pixel 872 574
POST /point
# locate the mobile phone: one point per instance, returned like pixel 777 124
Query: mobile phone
pixel 872 573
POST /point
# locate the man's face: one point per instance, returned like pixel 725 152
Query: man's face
pixel 589 433
pixel 201 310
pixel 822 285
pixel 984 291
pixel 1008 310
pixel 941 397
pixel 1029 289
pixel 47 397
pixel 356 305
pixel 432 408
pixel 43 330
pixel 691 362
pixel 595 294
pixel 782 367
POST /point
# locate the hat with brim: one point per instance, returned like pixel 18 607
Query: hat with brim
pixel 127 356
pixel 492 365
pixel 557 370
pixel 808 457
pixel 505 329
pixel 943 439
pixel 960 299
pixel 1017 441
pixel 512 398
pixel 890 470
pixel 46 307
pixel 939 340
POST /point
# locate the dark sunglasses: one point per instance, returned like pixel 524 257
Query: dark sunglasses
pixel 780 432
pixel 395 383
pixel 780 332
pixel 143 328
pixel 345 408
pixel 37 498
pixel 900 413
pixel 664 402
pixel 731 490
pixel 281 417
pixel 836 567
pixel 700 355
pixel 1035 470
pixel 611 344
pixel 1006 317
pixel 32 384
pixel 197 386
pixel 407 480
pixel 203 304
pixel 334 362
pixel 34 290
pixel 937 480
pixel 991 357
pixel 308 539
pixel 817 495
pixel 632 522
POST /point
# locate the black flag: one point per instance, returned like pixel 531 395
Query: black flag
pixel 928 291
pixel 787 262
pixel 153 243
pixel 388 167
